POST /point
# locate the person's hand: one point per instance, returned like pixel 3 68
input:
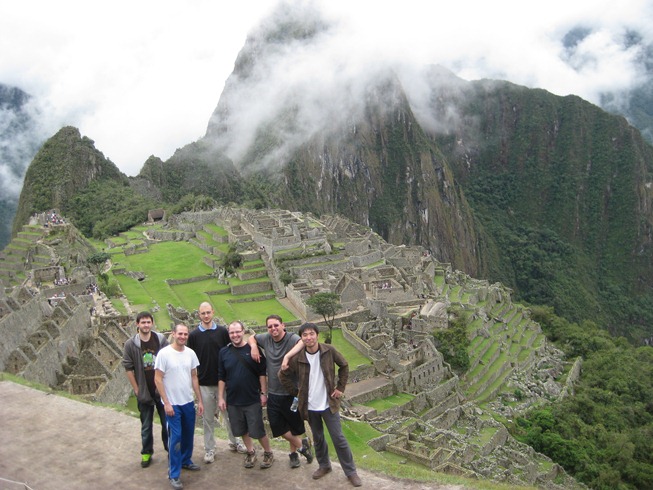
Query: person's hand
pixel 200 408
pixel 264 399
pixel 285 363
pixel 222 404
pixel 255 353
pixel 336 394
pixel 168 409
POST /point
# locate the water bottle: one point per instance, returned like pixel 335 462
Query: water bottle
pixel 295 404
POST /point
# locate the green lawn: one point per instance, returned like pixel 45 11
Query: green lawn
pixel 354 358
pixel 182 260
pixel 382 404
pixel 252 313
pixel 158 266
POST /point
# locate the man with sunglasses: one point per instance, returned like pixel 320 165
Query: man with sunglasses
pixel 284 422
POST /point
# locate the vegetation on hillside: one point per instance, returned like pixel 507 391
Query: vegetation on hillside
pixel 104 209
pixel 603 435
pixel 453 342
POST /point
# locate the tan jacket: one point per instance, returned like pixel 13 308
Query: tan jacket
pixel 299 369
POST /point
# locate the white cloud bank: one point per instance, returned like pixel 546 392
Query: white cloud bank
pixel 143 77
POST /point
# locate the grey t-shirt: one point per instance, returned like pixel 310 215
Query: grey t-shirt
pixel 274 352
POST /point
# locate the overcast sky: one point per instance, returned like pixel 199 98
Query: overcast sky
pixel 142 77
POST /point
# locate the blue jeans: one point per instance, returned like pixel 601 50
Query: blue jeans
pixel 181 431
pixel 147 418
pixel 332 422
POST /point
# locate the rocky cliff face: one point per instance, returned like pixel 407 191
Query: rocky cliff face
pixel 382 171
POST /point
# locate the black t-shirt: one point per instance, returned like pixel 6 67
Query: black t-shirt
pixel 241 374
pixel 149 350
pixel 207 345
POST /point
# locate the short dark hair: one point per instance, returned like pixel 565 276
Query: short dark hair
pixel 273 317
pixel 308 326
pixel 144 314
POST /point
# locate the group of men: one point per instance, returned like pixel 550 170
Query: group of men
pixel 218 368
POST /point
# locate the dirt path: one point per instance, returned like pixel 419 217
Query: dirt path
pixel 51 442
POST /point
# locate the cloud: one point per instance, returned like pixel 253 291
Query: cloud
pixel 143 77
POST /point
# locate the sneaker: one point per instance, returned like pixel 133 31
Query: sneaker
pixel 355 480
pixel 238 447
pixel 250 459
pixel 320 472
pixel 305 450
pixel 209 457
pixel 294 460
pixel 191 467
pixel 176 483
pixel 268 458
pixel 146 459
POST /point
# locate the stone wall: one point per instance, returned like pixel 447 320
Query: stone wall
pixel 188 280
pixel 255 287
pixel 51 355
pixel 19 324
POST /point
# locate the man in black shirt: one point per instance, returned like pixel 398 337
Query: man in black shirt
pixel 246 388
pixel 207 340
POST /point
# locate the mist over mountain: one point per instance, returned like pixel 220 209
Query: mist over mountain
pixel 19 141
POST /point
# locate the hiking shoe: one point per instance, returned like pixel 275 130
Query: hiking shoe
pixel 268 458
pixel 250 459
pixel 238 447
pixel 191 467
pixel 176 483
pixel 305 450
pixel 209 457
pixel 294 460
pixel 355 480
pixel 320 472
pixel 146 459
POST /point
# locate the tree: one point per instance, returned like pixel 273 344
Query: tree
pixel 97 260
pixel 232 259
pixel 327 305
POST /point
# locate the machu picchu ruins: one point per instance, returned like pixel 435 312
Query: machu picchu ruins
pixel 63 331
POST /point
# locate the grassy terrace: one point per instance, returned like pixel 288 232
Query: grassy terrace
pixel 216 230
pixel 182 260
pixel 383 404
pixel 208 239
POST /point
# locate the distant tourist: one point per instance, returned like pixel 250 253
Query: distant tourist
pixel 284 422
pixel 176 379
pixel 138 359
pixel 319 394
pixel 207 340
pixel 246 390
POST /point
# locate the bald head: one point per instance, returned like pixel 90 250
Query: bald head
pixel 205 311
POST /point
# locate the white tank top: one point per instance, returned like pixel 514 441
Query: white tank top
pixel 318 400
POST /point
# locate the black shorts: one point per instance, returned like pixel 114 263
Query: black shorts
pixel 246 419
pixel 281 418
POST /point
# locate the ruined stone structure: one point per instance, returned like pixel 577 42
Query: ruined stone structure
pixel 392 299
